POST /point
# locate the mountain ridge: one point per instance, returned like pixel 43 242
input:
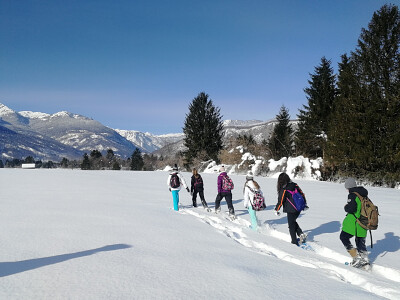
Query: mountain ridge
pixel 65 134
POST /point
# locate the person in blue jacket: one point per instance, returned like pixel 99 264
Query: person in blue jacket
pixel 174 182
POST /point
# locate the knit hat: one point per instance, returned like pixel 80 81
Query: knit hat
pixel 175 168
pixel 249 176
pixel 222 169
pixel 350 183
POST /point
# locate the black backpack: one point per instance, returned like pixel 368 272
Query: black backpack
pixel 175 183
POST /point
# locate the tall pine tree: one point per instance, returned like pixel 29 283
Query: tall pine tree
pixel 369 94
pixel 314 118
pixel 203 130
pixel 344 132
pixel 280 142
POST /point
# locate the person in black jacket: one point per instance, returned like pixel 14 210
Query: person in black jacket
pixel 197 186
pixel 285 200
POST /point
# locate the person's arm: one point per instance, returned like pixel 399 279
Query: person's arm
pixel 351 206
pixel 281 200
pixel 183 182
pixel 246 197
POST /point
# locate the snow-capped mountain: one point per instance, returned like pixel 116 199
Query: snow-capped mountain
pixel 55 136
pixel 148 141
pixel 79 132
pixel 18 140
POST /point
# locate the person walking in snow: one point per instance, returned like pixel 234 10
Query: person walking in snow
pixel 174 182
pixel 351 228
pixel 285 200
pixel 249 190
pixel 225 185
pixel 197 187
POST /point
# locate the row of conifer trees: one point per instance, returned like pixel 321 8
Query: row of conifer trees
pixel 351 120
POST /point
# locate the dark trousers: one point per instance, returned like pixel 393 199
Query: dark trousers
pixel 194 198
pixel 294 228
pixel 228 199
pixel 360 242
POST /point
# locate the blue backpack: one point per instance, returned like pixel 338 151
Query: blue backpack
pixel 298 201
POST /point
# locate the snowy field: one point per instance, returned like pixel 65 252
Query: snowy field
pixel 71 234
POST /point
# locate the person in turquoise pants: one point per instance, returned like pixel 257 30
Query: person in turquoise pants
pixel 250 187
pixel 174 182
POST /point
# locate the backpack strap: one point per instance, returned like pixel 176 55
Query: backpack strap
pixel 370 233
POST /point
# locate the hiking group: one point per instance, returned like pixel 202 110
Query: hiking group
pixel 292 200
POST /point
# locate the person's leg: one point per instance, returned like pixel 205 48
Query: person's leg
pixel 345 238
pixel 203 201
pixel 362 250
pixel 175 198
pixel 194 198
pixel 228 198
pixel 291 218
pixel 296 225
pixel 218 202
pixel 253 218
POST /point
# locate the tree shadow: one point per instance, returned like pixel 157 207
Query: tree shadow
pixel 390 243
pixel 11 268
pixel 330 227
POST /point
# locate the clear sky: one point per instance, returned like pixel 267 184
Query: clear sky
pixel 138 64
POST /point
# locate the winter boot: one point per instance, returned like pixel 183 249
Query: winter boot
pixel 357 259
pixel 232 214
pixel 364 258
pixel 303 238
pixel 217 210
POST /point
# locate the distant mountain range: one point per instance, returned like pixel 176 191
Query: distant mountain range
pixel 63 134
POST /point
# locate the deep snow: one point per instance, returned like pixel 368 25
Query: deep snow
pixel 71 234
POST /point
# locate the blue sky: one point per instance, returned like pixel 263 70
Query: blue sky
pixel 138 64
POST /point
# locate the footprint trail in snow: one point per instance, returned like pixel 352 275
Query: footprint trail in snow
pixel 328 261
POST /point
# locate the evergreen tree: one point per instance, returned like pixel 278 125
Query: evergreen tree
pixel 29 160
pixel 280 142
pixel 314 118
pixel 1 164
pixel 364 137
pixel 86 162
pixel 379 62
pixel 110 155
pixel 203 130
pixel 137 160
pixel 64 163
pixel 116 166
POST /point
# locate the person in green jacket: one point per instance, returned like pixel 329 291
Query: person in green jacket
pixel 351 228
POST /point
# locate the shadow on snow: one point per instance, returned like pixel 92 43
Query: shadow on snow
pixel 390 243
pixel 11 268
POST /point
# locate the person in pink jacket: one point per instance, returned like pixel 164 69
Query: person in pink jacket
pixel 223 193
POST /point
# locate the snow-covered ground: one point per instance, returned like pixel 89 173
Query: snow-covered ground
pixel 71 234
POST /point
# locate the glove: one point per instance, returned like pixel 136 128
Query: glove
pixel 187 189
pixel 169 189
pixel 277 213
pixel 306 208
